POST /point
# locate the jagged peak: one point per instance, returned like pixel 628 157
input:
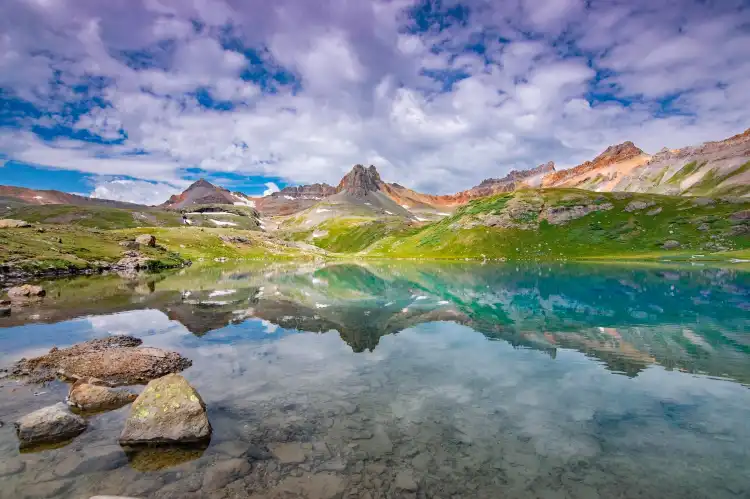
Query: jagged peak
pixel 516 175
pixel 360 181
pixel 619 152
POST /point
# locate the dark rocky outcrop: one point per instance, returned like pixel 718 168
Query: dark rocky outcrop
pixel 360 181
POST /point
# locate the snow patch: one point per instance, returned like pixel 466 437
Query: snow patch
pixel 418 219
pixel 288 197
pixel 38 197
pixel 222 292
pixel 321 305
pixel 388 212
pixel 223 224
pixel 444 214
pixel 405 206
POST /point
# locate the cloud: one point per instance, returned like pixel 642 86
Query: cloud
pixel 271 188
pixel 438 98
pixel 134 191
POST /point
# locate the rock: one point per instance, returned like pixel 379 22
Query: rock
pixel 318 486
pixel 26 292
pixel 96 459
pixel 11 466
pixel 235 240
pixel 9 223
pixel 168 411
pixel 405 481
pixel 4 311
pixel 559 215
pixel 132 262
pixel 290 453
pixel 703 227
pixel 638 205
pixel 740 216
pixel 116 360
pixel 145 458
pixel 703 202
pixel 224 472
pixel 654 212
pixel 88 394
pixel 146 240
pixel 671 244
pixel 49 425
pixel 131 245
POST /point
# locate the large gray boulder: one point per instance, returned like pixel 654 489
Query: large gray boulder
pixel 168 411
pixel 49 425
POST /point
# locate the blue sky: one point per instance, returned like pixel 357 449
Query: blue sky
pixel 134 100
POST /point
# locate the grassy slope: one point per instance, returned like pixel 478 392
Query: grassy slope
pixel 613 234
pixel 91 216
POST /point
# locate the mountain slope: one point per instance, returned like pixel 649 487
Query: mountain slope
pixel 558 224
pixel 203 192
pixel 51 197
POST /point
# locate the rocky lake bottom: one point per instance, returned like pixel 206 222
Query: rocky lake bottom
pixel 408 380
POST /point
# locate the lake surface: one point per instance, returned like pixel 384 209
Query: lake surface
pixel 411 380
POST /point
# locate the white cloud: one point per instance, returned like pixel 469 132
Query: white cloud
pixel 271 187
pixel 134 191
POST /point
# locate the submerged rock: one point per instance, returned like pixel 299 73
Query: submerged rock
pixel 116 360
pixel 49 425
pixel 26 292
pixel 91 395
pixel 9 223
pixel 146 240
pixel 169 411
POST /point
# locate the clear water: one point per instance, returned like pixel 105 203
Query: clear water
pixel 409 380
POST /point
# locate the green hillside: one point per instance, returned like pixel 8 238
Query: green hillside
pixel 555 224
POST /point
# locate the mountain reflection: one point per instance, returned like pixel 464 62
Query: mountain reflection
pixel 686 319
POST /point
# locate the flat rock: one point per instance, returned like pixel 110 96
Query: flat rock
pixel 288 453
pixel 223 473
pixel 168 411
pixel 115 360
pixel 318 486
pixel 49 425
pixel 405 481
pixel 26 292
pixel 88 394
pixel 9 223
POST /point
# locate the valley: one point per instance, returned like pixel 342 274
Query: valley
pixel 687 204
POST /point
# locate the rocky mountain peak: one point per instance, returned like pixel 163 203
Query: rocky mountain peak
pixel 312 191
pixel 617 153
pixel 360 181
pixel 201 183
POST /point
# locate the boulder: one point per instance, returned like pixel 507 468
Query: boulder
pixel 740 216
pixel 49 425
pixel 26 292
pixel 168 411
pixel 92 395
pixel 131 245
pixel 146 240
pixel 9 223
pixel 132 262
pixel 671 244
pixel 654 212
pixel 4 311
pixel 116 360
pixel 638 205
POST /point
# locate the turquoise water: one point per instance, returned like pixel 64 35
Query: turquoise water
pixel 411 380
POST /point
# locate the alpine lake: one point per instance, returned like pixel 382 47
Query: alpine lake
pixel 416 380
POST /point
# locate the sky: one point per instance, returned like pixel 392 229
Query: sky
pixel 135 99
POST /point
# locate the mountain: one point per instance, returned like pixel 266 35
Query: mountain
pixel 710 169
pixel 203 192
pixel 293 199
pixel 23 195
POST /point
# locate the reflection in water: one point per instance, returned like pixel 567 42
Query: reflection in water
pixel 463 380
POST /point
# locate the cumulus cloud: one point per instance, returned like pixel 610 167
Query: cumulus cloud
pixel 303 90
pixel 134 191
pixel 271 187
